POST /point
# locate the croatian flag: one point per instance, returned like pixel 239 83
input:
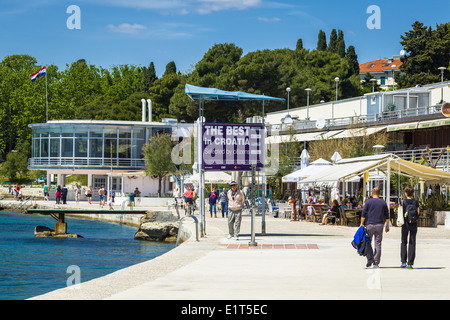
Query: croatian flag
pixel 38 74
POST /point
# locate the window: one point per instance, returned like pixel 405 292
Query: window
pixel 383 81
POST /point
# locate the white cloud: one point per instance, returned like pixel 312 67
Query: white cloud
pixel 208 6
pixel 264 19
pixel 182 6
pixel 126 28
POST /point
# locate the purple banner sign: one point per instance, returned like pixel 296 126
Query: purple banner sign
pixel 233 146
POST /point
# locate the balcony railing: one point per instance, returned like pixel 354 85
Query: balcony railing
pixel 356 120
pixel 86 162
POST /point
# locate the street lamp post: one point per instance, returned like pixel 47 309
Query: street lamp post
pixel 373 84
pixel 288 90
pixel 307 102
pixel 393 76
pixel 442 81
pixel 337 87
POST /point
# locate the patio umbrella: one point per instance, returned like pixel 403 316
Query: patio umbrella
pixel 336 157
pixel 304 159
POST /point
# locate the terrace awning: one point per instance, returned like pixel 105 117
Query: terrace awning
pixel 201 93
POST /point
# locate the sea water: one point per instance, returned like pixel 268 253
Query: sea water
pixel 31 266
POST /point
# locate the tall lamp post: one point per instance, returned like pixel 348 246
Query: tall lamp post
pixel 308 90
pixel 393 76
pixel 337 87
pixel 373 84
pixel 442 80
pixel 288 90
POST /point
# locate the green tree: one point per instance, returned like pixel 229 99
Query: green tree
pixel 341 44
pixel 426 51
pixel 333 44
pixel 299 45
pixel 352 59
pixel 15 168
pixel 170 68
pixel 322 41
pixel 158 162
pixel 149 76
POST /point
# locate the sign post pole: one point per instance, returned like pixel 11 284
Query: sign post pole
pixel 252 241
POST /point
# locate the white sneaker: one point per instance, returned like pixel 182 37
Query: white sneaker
pixel 237 237
pixel 229 236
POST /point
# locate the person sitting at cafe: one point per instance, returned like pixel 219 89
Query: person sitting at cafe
pixel 311 200
pixel 332 214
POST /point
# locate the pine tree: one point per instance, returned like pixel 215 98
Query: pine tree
pixel 149 76
pixel 341 44
pixel 332 46
pixel 322 41
pixel 299 45
pixel 170 68
pixel 352 59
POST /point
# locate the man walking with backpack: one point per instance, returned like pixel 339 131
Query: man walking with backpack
pixel 411 212
pixel 375 213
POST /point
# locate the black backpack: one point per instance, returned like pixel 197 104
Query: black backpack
pixel 411 213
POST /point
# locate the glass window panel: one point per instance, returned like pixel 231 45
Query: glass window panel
pixel 44 132
pixel 111 133
pixel 44 147
pixel 95 148
pixel 96 133
pixel 139 134
pixel 81 148
pixel 55 132
pixel 110 148
pixel 124 133
pixel 67 148
pixel 36 148
pixel 54 147
pixel 81 132
pixel 67 132
pixel 125 148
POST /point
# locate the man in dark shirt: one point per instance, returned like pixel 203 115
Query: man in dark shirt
pixel 375 213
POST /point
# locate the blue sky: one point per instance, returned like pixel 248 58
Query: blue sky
pixel 139 31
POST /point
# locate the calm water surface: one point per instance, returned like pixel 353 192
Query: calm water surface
pixel 31 266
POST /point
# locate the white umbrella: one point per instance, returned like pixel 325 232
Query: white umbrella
pixel 336 157
pixel 314 168
pixel 304 159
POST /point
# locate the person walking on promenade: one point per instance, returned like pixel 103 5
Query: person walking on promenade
pixel 64 194
pixel 101 196
pixel 212 202
pixel 411 211
pixel 223 198
pixel 235 204
pixel 374 214
pixel 45 192
pixel 89 193
pixel 77 193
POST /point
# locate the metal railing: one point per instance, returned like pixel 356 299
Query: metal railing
pixel 86 162
pixel 439 156
pixel 179 228
pixel 356 120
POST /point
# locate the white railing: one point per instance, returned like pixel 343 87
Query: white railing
pixel 86 162
pixel 357 120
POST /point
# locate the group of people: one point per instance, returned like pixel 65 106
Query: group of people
pixel 232 203
pixel 375 218
pixel 16 192
pixel 62 192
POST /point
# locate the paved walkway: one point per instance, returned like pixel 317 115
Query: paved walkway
pixel 295 260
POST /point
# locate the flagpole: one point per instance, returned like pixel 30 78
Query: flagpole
pixel 46 100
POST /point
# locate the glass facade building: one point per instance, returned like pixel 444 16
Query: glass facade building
pixel 85 144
